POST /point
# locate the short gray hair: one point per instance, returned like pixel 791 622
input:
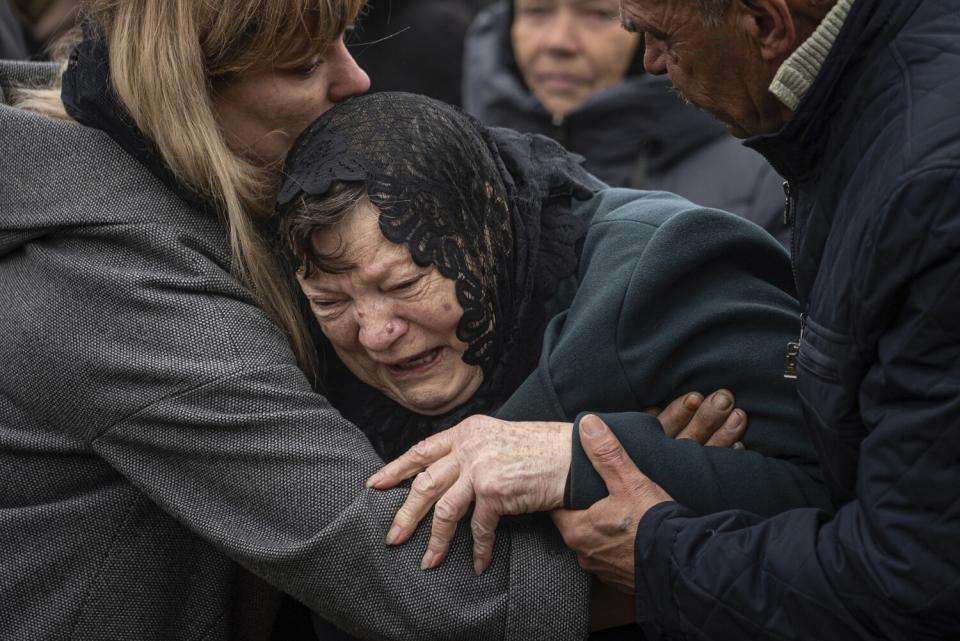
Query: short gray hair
pixel 712 10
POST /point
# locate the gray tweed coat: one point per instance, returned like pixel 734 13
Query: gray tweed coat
pixel 164 465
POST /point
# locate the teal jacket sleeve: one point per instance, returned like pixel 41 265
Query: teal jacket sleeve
pixel 673 298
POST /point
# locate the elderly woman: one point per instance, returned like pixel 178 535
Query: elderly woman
pixel 454 269
pixel 166 467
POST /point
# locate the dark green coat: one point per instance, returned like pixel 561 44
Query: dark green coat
pixel 671 297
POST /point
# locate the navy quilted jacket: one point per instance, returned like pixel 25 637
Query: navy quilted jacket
pixel 873 159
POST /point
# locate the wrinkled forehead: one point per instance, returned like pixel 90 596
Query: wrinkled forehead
pixel 359 230
pixel 646 9
pixel 357 244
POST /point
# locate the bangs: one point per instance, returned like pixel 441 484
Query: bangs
pixel 309 214
pixel 290 33
pixel 309 29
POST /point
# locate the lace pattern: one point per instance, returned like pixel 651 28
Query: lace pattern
pixel 491 209
pixel 438 191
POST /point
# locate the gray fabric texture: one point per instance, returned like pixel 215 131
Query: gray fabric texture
pixel 165 466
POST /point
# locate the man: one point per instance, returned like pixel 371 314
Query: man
pixel 565 69
pixel 857 104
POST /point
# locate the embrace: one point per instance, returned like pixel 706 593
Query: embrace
pixel 246 304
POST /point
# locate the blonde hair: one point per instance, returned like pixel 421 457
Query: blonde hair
pixel 165 59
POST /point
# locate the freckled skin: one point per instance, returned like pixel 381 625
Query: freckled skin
pixel 373 324
pixel 720 69
pixel 263 111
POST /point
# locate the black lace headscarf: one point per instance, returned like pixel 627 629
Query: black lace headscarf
pixel 490 209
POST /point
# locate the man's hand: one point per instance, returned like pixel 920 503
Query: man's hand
pixel 603 536
pixel 712 422
pixel 514 468
pixel 502 467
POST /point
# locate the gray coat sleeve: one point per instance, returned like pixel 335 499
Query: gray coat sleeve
pixel 208 415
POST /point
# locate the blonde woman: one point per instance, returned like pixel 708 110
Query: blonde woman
pixel 165 467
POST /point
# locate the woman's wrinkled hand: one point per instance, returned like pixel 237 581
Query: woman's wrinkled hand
pixel 502 467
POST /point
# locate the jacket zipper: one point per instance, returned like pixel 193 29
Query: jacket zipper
pixel 787 204
pixel 789 218
pixel 793 351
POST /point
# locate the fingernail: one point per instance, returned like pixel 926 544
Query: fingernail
pixel 429 560
pixel 590 425
pixel 739 446
pixel 373 480
pixel 692 401
pixel 393 536
pixel 479 567
pixel 737 419
pixel 722 401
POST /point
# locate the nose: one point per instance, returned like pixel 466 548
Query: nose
pixel 346 77
pixel 561 34
pixel 654 55
pixel 380 328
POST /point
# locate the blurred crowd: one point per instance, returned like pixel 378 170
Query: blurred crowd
pixel 565 70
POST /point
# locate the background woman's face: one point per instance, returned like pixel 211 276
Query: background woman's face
pixel 568 50
pixel 263 112
pixel 392 322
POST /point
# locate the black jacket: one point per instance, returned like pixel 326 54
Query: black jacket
pixel 635 134
pixel 873 156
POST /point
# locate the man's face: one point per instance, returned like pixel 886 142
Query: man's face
pixel 568 50
pixel 713 67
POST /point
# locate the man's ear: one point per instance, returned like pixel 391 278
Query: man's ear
pixel 770 23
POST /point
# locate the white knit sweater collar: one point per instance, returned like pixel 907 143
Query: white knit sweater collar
pixel 797 73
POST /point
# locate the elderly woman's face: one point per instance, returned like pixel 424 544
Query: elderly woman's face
pixel 392 322
pixel 264 111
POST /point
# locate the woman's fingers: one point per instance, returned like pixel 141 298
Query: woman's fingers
pixel 709 417
pixel 417 458
pixel 678 414
pixel 447 514
pixel 427 488
pixel 484 527
pixel 731 432
pixel 503 467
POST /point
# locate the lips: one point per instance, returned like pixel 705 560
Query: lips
pixel 416 364
pixel 561 81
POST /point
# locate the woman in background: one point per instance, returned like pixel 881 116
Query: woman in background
pixel 568 70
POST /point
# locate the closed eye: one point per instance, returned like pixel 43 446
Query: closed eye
pixel 407 284
pixel 308 69
pixel 327 308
